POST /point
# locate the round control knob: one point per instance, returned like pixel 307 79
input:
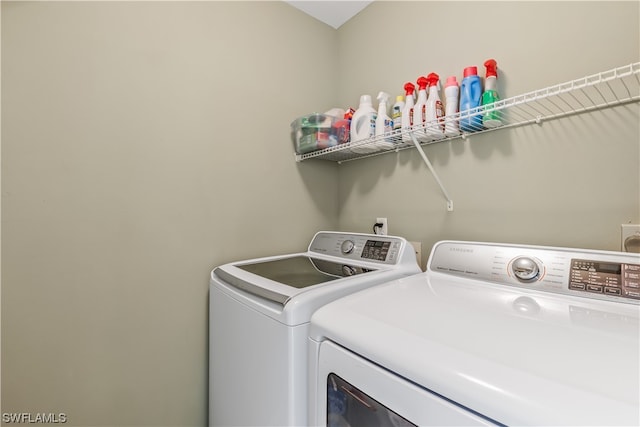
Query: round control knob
pixel 347 246
pixel 347 270
pixel 525 269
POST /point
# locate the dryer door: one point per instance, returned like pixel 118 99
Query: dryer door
pixel 352 391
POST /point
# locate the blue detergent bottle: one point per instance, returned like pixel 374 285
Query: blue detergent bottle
pixel 470 97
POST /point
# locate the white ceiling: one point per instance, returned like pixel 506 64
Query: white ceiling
pixel 331 12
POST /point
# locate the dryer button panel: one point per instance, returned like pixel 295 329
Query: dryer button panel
pixel 607 278
pixel 611 276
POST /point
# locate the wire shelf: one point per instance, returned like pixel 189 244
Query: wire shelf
pixel 602 90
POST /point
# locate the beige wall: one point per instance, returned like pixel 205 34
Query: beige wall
pixel 143 144
pixel 569 182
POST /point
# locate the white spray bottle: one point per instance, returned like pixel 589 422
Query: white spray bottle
pixel 435 110
pixel 420 110
pixel 384 124
pixel 407 111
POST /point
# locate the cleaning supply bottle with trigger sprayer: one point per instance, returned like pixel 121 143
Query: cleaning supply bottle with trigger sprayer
pixel 434 111
pixel 420 110
pixel 407 111
pixel 491 118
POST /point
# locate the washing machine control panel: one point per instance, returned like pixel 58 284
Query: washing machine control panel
pixel 613 276
pixel 363 247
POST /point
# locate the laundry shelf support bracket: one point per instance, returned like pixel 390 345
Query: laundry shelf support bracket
pixel 433 172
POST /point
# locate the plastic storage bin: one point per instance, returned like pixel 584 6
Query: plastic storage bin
pixel 314 132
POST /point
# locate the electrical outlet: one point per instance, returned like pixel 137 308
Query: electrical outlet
pixel 384 229
pixel 417 247
pixel 628 230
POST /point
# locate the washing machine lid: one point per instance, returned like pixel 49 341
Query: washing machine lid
pixel 278 279
pixel 300 271
pixel 516 356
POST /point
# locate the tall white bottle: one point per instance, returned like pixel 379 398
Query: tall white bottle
pixel 384 124
pixel 420 111
pixel 363 125
pixel 435 110
pixel 451 93
pixel 407 112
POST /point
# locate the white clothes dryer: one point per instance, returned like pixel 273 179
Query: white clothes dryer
pixel 489 334
pixel 259 319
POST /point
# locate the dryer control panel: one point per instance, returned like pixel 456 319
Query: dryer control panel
pixel 364 247
pixel 609 278
pixel 613 276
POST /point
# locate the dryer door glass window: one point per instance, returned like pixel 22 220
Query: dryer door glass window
pixel 348 406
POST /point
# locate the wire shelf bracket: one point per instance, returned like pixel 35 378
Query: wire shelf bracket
pixel 433 172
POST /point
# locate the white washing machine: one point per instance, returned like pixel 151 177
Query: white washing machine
pixel 259 319
pixel 489 334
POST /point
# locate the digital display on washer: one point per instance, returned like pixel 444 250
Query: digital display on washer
pixel 376 250
pixel 608 278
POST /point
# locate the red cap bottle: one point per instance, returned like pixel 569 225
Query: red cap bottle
pixel 470 71
pixel 409 88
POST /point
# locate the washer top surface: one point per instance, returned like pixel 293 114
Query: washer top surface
pixel 520 352
pixel 290 287
pixel 298 271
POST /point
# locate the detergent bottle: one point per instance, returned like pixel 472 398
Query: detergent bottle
pixel 470 96
pixel 384 124
pixel 363 125
pixel 491 117
pixel 407 111
pixel 435 110
pixel 396 112
pixel 451 92
pixel 420 110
